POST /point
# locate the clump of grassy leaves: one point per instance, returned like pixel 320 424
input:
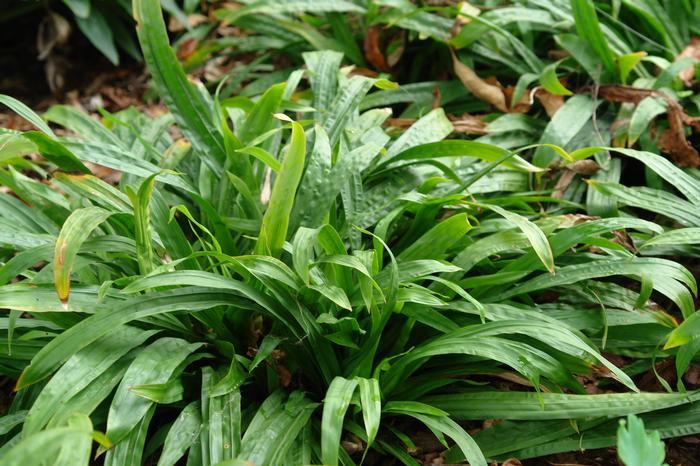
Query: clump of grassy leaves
pixel 281 281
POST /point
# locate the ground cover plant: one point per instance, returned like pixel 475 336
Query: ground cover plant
pixel 291 275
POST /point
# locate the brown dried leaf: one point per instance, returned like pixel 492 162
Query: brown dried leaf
pixel 550 102
pixel 54 31
pixel 523 106
pixel 477 86
pixel 194 20
pixel 691 51
pixel 585 167
pixel 187 48
pixel 284 375
pixel 672 141
pixel 512 462
pixel 469 124
pixel 373 51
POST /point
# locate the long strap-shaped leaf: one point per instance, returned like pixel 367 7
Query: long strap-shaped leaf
pixel 528 406
pixel 75 231
pixel 192 299
pixel 276 219
pixel 335 405
pixel 192 112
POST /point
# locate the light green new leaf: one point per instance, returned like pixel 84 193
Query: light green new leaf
pixel 689 330
pixel 550 81
pixel 142 223
pixel 275 222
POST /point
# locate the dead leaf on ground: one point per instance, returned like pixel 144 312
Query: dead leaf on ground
pixel 54 31
pixel 469 124
pixel 360 71
pixel 466 124
pixel 550 102
pixel 106 174
pixel 672 141
pixel 691 51
pixel 462 19
pixel 512 462
pixel 522 106
pixel 194 20
pixel 580 167
pixel 187 48
pixel 480 88
pixel 372 48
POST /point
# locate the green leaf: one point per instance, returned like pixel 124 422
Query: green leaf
pixel 55 152
pixel 648 109
pixel 192 112
pixel 276 219
pixel 537 238
pixel 565 124
pixel 181 435
pixel 335 404
pixel 637 447
pixel 589 31
pixel 79 371
pixel 323 75
pixel 371 400
pixel 274 428
pixel 459 148
pixel 80 8
pixel 27 113
pixel 464 441
pixel 434 243
pixel 542 406
pixel 74 232
pixel 68 445
pixel 155 364
pixel 259 119
pixel 668 273
pixel 550 81
pixel 142 222
pixel 88 330
pixel 97 30
pixel 432 127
